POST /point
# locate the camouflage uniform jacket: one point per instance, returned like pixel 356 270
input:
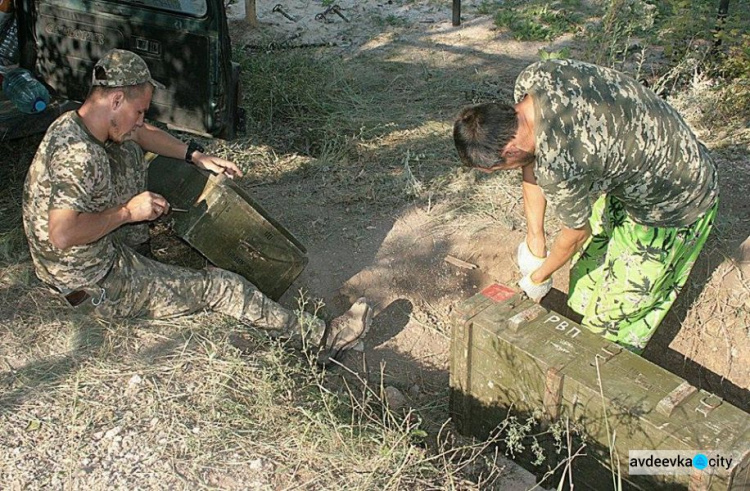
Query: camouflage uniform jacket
pixel 598 131
pixel 73 170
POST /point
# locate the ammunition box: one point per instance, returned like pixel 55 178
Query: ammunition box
pixel 512 356
pixel 227 226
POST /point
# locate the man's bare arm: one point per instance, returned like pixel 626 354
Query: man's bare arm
pixel 153 139
pixel 534 207
pixel 566 244
pixel 68 228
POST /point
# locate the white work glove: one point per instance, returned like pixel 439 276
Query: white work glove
pixel 535 291
pixel 527 261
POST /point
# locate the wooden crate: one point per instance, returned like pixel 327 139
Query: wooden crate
pixel 512 356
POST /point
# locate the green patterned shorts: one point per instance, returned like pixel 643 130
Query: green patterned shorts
pixel 627 276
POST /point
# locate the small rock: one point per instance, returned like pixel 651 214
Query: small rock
pixel 415 390
pixel 394 398
pixel 113 432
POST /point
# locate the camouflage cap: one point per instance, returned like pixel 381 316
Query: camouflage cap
pixel 121 68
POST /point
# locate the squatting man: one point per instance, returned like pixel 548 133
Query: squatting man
pixel 636 192
pixel 86 209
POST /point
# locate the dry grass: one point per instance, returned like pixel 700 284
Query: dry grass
pixel 197 402
pixel 718 312
pixel 204 403
pixel 201 402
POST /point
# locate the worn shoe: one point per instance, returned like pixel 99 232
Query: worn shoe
pixel 346 332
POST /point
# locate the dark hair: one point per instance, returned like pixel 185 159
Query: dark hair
pixel 482 131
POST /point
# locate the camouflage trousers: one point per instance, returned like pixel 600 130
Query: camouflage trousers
pixel 627 276
pixel 138 287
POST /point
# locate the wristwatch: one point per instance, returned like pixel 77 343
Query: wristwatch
pixel 193 146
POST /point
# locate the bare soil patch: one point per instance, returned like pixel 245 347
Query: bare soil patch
pixel 202 402
pixel 397 256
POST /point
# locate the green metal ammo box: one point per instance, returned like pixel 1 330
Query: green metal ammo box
pixel 225 225
pixel 512 356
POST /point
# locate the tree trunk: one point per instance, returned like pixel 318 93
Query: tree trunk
pixel 721 18
pixel 723 9
pixel 251 17
pixel 456 12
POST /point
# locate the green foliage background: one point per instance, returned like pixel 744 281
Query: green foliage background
pixel 685 36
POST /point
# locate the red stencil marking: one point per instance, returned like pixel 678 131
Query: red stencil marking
pixel 498 293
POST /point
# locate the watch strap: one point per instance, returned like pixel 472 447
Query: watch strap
pixel 193 146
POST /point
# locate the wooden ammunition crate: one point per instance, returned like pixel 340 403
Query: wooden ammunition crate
pixel 510 356
pixel 227 226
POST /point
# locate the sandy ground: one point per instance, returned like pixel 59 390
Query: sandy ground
pixel 402 256
pixel 398 260
pixel 396 256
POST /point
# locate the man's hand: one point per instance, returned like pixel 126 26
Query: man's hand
pixel 153 139
pixel 146 206
pixel 216 164
pixel 535 291
pixel 68 228
pixel 527 261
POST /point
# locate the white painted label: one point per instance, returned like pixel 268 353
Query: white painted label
pixel 563 325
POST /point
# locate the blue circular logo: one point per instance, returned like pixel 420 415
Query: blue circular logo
pixel 700 461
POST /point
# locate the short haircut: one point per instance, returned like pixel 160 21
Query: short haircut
pixel 481 132
pixel 131 91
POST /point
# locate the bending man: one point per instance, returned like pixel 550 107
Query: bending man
pixel 634 188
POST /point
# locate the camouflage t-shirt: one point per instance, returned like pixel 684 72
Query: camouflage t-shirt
pixel 72 170
pixel 598 131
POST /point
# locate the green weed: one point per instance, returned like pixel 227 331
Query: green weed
pixel 487 7
pixel 538 21
pixel 391 20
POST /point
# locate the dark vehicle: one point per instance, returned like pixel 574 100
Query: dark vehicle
pixel 184 42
